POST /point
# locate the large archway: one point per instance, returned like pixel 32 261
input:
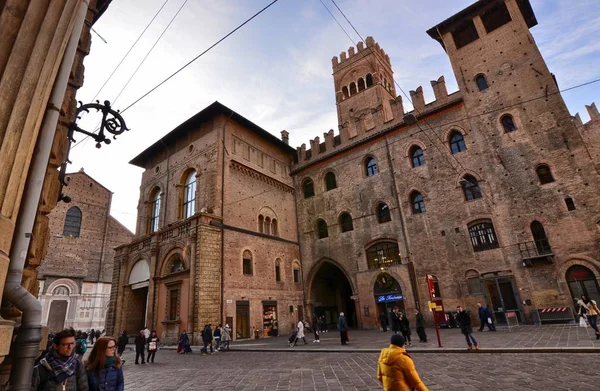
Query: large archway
pixel 137 297
pixel 331 294
pixel 582 281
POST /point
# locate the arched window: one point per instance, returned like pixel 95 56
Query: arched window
pixel 176 264
pixel 436 287
pixel 383 255
pixel 278 270
pixel 473 285
pixel 72 225
pixel 247 262
pixel 508 123
pixel 483 236
pixel 418 205
pixel 361 84
pixel 61 290
pixel 383 213
pixel 330 182
pixel 417 155
pixel 345 92
pixel 457 142
pixel 308 188
pixel 261 224
pixel 369 80
pixel 268 225
pixel 296 269
pixel 541 240
pixel 322 229
pixel 352 88
pixel 346 222
pixel 544 174
pixel 189 195
pixel 274 228
pixel 470 187
pixel 371 166
pixel 481 82
pixel 155 210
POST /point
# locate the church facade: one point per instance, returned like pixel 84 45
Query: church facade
pixel 491 191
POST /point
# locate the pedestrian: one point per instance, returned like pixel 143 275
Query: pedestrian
pixel 395 320
pixel 146 332
pixel 152 346
pixel 420 323
pixel 464 321
pixel 184 340
pixel 482 316
pixel 103 366
pixel 323 324
pixel 275 328
pixel 217 335
pixel 342 326
pixel 315 327
pixel 490 318
pixel 92 336
pixel 384 321
pixel 592 313
pixel 396 370
pixel 207 337
pixel 226 336
pixel 300 334
pixel 140 344
pixel 98 334
pixel 122 343
pixel 81 345
pixel 59 369
pixel 404 327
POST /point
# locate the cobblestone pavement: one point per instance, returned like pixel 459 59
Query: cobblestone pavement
pixel 357 371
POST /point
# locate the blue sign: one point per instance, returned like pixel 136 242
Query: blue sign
pixel 384 298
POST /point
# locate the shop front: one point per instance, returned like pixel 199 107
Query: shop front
pixel 388 295
pixel 270 322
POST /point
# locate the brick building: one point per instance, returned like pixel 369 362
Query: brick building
pixel 491 190
pixel 76 274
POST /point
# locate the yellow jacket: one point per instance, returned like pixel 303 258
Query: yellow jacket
pixel 396 371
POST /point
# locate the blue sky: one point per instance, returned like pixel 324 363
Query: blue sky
pixel 276 70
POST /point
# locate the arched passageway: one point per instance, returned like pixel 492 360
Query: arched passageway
pixel 331 294
pixel 582 281
pixel 136 298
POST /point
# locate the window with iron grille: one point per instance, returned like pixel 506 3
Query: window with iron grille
pixel 189 195
pixel 72 225
pixel 383 255
pixel 483 236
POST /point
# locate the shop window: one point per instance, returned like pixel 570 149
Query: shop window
pixel 308 188
pixel 383 213
pixel 247 262
pixel 473 285
pixel 296 274
pixel 483 236
pixel 330 182
pixel 278 270
pixel 465 33
pixel 173 304
pixel 261 223
pixel 418 157
pixel 495 17
pixel 371 166
pixel 457 142
pixel 369 80
pixel 481 81
pixel 470 187
pixel 72 225
pixel 155 210
pixel 189 195
pixel 270 327
pixel 570 203
pixel 322 229
pixel 346 222
pixel 544 174
pixel 508 123
pixel 418 205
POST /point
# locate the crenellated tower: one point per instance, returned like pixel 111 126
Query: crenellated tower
pixel 364 84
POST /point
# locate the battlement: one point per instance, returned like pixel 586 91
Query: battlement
pixel 366 122
pixel 592 112
pixel 353 54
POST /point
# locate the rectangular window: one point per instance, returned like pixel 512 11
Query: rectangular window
pixel 464 34
pixel 473 286
pixel 189 202
pixel 296 275
pixel 570 203
pixel 247 266
pixel 483 237
pixel 173 304
pixel 495 17
pixel 277 273
pixel 155 214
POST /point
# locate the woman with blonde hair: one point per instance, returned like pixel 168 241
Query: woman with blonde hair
pixel 103 367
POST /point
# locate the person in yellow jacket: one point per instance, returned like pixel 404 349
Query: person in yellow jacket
pixel 396 370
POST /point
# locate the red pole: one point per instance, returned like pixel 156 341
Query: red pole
pixel 437 329
pixel 431 289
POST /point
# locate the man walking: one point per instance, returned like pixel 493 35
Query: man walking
pixel 60 369
pixel 490 318
pixel 420 322
pixel 395 320
pixel 315 327
pixel 464 321
pixel 300 334
pixel 405 327
pixel 481 311
pixel 121 343
pixel 207 337
pixel 343 327
pixel 140 343
pixel 384 320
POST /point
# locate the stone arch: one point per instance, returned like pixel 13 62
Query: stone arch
pixel 411 144
pixel 451 129
pixel 139 271
pixel 170 257
pixel 315 268
pixel 582 260
pixel 70 284
pixel 403 287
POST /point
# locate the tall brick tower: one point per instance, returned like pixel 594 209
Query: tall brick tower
pixel 364 84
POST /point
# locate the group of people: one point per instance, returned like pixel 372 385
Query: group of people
pixel 146 340
pixel 62 369
pixel 588 310
pixel 401 324
pixel 215 340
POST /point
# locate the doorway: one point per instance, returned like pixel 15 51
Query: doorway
pixel 136 308
pixel 331 293
pixel 242 319
pixel 500 292
pixel 582 281
pixel 388 294
pixel 57 315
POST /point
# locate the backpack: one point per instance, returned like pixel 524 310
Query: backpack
pixel 80 346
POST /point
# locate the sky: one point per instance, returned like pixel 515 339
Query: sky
pixel 276 70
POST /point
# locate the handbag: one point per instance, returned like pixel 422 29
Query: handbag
pixel 489 320
pixel 582 322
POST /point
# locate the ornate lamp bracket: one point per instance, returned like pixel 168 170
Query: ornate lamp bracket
pixel 112 122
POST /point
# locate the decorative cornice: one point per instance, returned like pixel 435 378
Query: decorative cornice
pixel 260 176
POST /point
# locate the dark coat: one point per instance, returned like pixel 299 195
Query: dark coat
pixel 342 324
pixel 315 324
pixel 109 379
pixel 420 320
pixel 140 343
pixel 43 378
pixel 395 321
pixel 122 341
pixel 464 321
pixel 405 325
pixel 207 335
pixel 482 313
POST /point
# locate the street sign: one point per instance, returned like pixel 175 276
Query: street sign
pixel 432 306
pixel 439 308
